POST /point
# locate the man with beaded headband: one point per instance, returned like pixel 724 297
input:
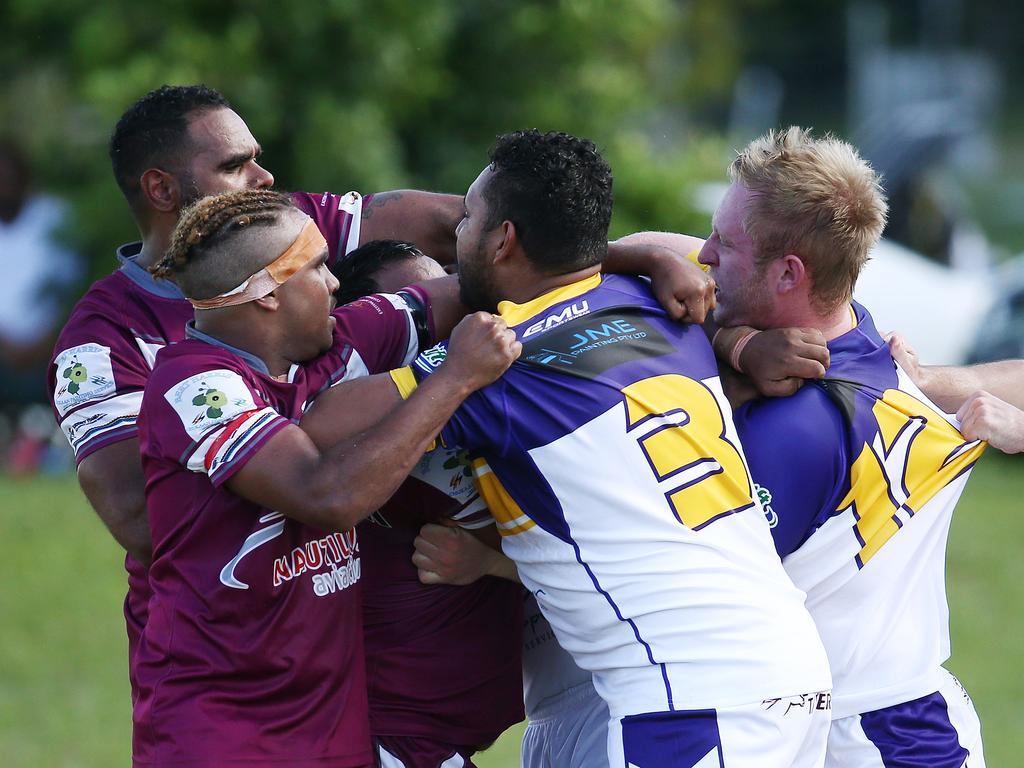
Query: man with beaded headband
pixel 253 649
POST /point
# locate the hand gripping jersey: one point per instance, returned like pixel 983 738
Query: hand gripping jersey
pixel 608 457
pixel 442 661
pixel 859 476
pixel 106 350
pixel 253 650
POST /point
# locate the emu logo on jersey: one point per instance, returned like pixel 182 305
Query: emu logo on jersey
pixel 209 398
pixel 570 312
pixel 83 373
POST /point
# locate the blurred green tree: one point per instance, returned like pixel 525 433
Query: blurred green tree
pixel 368 96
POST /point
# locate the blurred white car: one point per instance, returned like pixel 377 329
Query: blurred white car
pixel 938 309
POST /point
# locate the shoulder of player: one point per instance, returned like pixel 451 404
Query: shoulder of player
pixel 326 207
pixel 96 320
pixel 807 422
pixel 102 304
pixel 189 359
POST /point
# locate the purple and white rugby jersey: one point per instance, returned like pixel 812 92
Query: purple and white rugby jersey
pixel 105 352
pixel 608 456
pixel 253 651
pixel 858 475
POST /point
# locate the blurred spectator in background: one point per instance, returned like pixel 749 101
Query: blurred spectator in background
pixel 36 270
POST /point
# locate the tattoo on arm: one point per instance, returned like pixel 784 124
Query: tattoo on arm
pixel 379 201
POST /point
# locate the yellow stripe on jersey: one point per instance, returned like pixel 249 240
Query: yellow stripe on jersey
pixel 508 516
pixel 692 256
pixel 916 454
pixel 404 380
pixel 514 314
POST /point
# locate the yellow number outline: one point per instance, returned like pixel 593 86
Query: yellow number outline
pixel 688 442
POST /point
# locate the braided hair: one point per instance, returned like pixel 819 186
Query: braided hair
pixel 209 228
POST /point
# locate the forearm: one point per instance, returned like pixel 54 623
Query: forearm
pixel 681 245
pixel 950 386
pixel 446 308
pixel 642 252
pixel 338 488
pixel 503 568
pixel 679 283
pixel 427 219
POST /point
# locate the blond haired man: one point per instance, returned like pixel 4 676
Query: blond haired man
pixel 858 473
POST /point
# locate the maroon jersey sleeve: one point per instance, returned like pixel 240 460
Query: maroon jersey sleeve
pixel 337 217
pixel 207 415
pixel 371 335
pixel 95 381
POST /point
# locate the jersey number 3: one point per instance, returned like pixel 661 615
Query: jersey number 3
pixel 680 428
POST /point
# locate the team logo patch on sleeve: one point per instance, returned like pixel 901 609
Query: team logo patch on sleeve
pixel 210 398
pixel 84 373
pixel 431 358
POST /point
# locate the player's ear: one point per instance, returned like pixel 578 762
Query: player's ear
pixel 270 302
pixel 791 273
pixel 161 190
pixel 509 242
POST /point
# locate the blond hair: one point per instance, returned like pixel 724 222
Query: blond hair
pixel 816 199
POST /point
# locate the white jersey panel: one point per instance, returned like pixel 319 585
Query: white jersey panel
pixel 713 621
pixel 885 623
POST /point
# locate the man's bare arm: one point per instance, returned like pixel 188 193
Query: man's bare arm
pixel 112 481
pixel 679 284
pixel 334 489
pixel 427 219
pixel 950 386
pixel 985 417
pixel 349 408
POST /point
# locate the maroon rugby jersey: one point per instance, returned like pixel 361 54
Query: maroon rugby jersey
pixel 253 650
pixel 443 662
pixel 100 366
pixel 105 352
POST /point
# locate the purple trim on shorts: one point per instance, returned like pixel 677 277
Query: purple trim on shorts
pixel 915 734
pixel 678 739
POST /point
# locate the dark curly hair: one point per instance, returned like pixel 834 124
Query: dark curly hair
pixel 154 131
pixel 357 272
pixel 557 190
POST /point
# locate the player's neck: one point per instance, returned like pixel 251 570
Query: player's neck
pixel 156 238
pixel 535 285
pixel 832 325
pixel 835 324
pixel 237 330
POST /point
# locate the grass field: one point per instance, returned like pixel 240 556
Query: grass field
pixel 64 691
